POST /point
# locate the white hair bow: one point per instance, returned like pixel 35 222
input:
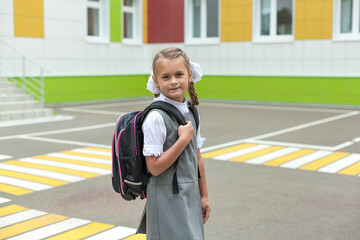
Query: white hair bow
pixel 196 76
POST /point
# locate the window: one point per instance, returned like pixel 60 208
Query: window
pixel 347 19
pixel 273 20
pixel 202 21
pixel 132 19
pixel 97 20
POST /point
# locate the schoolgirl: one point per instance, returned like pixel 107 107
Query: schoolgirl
pixel 174 216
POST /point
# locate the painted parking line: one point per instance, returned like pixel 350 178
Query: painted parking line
pixel 289 157
pixel 18 223
pixel 2 157
pixel 41 172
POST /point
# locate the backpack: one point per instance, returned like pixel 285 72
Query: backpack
pixel 129 172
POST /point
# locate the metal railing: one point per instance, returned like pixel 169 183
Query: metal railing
pixel 19 68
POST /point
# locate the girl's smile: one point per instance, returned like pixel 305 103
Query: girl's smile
pixel 172 77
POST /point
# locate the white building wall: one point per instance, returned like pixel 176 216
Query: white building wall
pixel 64 50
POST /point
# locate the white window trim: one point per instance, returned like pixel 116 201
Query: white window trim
pixel 355 33
pixel 189 25
pixel 136 10
pixel 103 6
pixel 273 37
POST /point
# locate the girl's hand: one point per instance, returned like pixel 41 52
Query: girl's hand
pixel 205 205
pixel 186 131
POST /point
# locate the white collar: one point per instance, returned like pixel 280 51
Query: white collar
pixel 181 106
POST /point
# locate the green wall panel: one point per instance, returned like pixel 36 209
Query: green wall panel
pixel 316 90
pixel 115 20
pixel 90 88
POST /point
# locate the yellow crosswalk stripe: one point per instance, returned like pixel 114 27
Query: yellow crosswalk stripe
pixel 324 161
pixel 14 189
pixel 82 232
pixel 351 170
pixel 280 160
pixel 98 149
pixel 30 225
pixel 226 150
pixel 136 237
pixel 87 155
pixel 11 209
pixel 248 156
pixel 53 169
pixel 65 160
pixel 34 178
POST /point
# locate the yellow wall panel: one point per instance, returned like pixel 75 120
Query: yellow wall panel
pixel 36 27
pixel 21 7
pixel 328 9
pixel 247 32
pixel 36 8
pixel 236 20
pixel 313 10
pixel 29 18
pixel 327 29
pixel 21 26
pixel 313 19
pixel 316 30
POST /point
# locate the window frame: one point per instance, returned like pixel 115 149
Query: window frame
pixel 103 7
pixel 273 37
pixel 136 10
pixel 355 31
pixel 189 39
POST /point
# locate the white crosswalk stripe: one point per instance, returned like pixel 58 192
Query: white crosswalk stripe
pixel 113 234
pixel 24 184
pixel 341 164
pixel 66 165
pixel 305 159
pixel 4 200
pixel 42 173
pixel 270 156
pixel 79 158
pixel 20 217
pixel 84 150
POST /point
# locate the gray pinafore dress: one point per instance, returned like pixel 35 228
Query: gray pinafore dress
pixel 175 216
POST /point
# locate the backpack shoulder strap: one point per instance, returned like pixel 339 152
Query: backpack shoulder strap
pixel 168 108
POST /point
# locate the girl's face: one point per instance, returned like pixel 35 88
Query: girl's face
pixel 172 77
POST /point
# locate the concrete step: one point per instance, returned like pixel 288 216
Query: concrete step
pixel 5 97
pixel 25 114
pixel 19 105
pixel 11 90
pixel 5 84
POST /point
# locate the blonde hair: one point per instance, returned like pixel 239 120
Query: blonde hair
pixel 172 53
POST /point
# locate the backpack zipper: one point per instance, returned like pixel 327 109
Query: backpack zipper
pixel 118 157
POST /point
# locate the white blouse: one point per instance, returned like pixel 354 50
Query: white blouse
pixel 155 131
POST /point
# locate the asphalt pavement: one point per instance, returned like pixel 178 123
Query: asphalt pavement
pixel 273 172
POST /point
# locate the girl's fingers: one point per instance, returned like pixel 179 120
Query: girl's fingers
pixel 206 214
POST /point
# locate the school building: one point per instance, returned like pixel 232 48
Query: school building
pixel 294 51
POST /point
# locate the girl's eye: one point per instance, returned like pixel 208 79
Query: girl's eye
pixel 179 74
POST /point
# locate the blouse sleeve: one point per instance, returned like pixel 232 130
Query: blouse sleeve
pixel 154 134
pixel 199 140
